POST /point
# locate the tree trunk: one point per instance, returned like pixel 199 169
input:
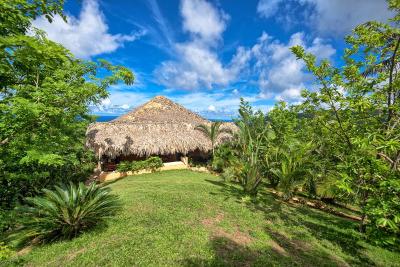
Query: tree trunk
pixel 363 222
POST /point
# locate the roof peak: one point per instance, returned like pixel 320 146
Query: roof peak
pixel 160 97
pixel 161 109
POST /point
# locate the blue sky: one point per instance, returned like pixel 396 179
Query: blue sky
pixel 207 54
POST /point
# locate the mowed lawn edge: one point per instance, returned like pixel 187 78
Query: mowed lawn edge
pixel 185 218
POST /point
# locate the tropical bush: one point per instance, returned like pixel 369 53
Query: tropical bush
pixel 7 221
pixel 124 166
pixel 63 213
pixel 152 164
pixel 293 171
pixel 224 157
pixel 251 145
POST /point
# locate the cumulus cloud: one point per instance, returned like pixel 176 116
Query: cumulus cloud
pixel 87 35
pixel 196 64
pixel 270 63
pixel 196 67
pixel 202 19
pixel 328 17
pixel 217 103
pixel 280 75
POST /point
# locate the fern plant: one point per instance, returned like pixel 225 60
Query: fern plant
pixel 63 213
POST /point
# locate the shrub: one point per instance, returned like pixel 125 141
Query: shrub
pixel 231 174
pixel 136 166
pixel 7 220
pixel 384 213
pixel 5 252
pixel 124 166
pixel 63 213
pixel 152 164
pixel 224 157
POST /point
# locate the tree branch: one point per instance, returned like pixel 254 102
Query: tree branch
pixel 390 87
pixel 386 157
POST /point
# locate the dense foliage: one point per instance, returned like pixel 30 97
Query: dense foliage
pixel 5 252
pixel 63 213
pixel 45 96
pixel 152 164
pixel 342 142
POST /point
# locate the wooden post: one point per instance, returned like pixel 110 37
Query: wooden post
pixel 185 160
pixel 99 165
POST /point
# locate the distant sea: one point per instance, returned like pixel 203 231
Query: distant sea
pixel 109 118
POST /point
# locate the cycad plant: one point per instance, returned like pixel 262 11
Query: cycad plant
pixel 293 170
pixel 63 213
pixel 212 132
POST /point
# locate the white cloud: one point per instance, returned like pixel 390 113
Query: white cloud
pixel 120 102
pixel 87 35
pixel 202 19
pixel 340 16
pixel 268 8
pixel 196 64
pixel 197 67
pixel 211 108
pixel 164 37
pixel 280 75
pixel 216 103
pixel 327 17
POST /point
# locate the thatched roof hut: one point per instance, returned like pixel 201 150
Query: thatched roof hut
pixel 158 127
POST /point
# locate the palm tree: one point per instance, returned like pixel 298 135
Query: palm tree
pixel 212 132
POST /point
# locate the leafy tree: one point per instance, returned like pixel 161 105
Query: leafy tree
pixel 357 108
pixel 212 132
pixel 45 96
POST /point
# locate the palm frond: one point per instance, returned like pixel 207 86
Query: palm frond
pixel 204 129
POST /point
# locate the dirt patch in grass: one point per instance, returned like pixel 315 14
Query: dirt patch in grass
pixel 237 236
pixel 73 254
pixel 212 221
pixel 24 251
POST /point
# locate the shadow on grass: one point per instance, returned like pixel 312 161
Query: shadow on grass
pixel 226 253
pixel 286 252
pixel 322 226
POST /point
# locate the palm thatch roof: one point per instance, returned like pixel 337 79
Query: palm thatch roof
pixel 158 127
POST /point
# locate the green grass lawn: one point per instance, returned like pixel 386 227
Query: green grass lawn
pixel 184 218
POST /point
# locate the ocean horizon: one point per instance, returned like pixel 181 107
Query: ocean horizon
pixel 105 118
